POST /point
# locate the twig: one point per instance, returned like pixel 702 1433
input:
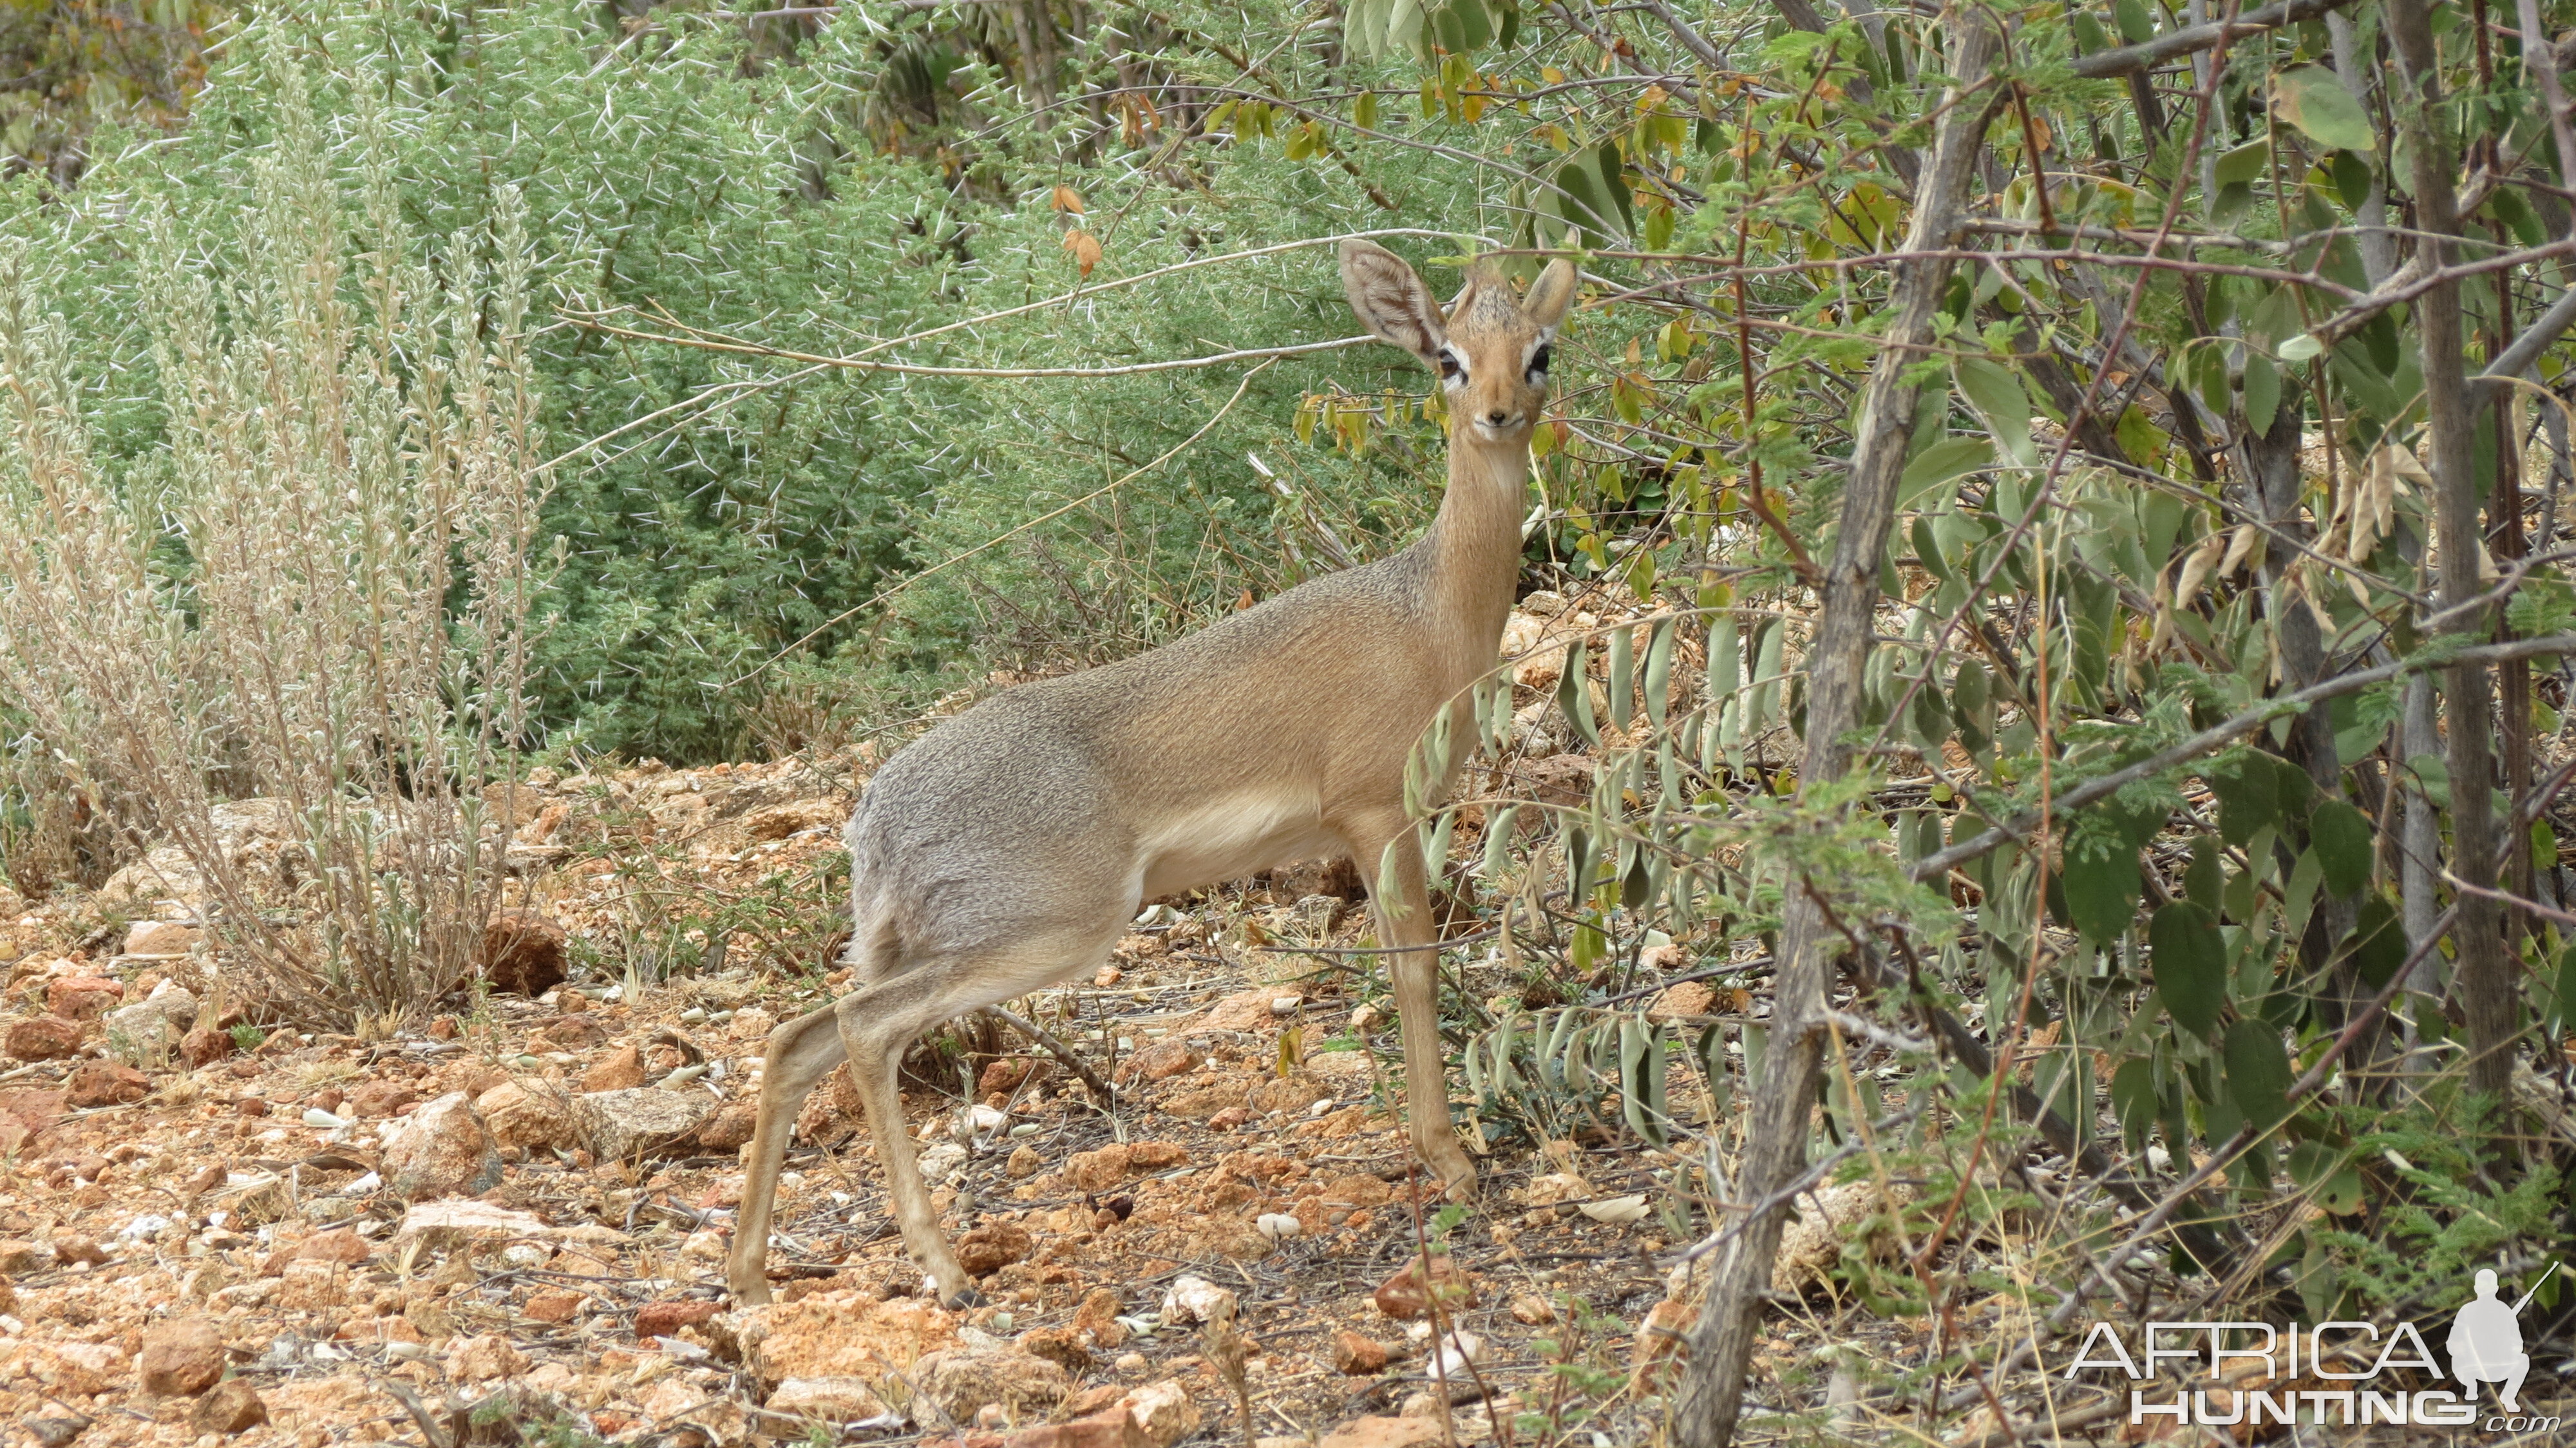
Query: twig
pixel 1055 1048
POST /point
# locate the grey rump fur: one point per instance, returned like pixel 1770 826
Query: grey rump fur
pixel 1007 849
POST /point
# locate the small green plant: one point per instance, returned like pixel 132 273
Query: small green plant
pixel 247 1037
pixel 1583 1374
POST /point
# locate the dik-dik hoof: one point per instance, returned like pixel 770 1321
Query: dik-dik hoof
pixel 1457 1176
pixel 961 1299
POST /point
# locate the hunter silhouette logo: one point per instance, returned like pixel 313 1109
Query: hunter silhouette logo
pixel 2251 1367
pixel 2486 1342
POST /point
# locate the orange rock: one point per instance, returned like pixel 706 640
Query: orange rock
pixel 44 1038
pixel 104 1083
pixel 1405 1296
pixel 665 1319
pixel 233 1406
pixel 989 1248
pixel 553 1306
pixel 523 953
pixel 82 997
pixel 620 1070
pixel 1661 1343
pixel 181 1359
pixel 1358 1356
pixel 1161 1061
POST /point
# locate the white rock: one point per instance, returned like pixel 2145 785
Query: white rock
pixel 321 1120
pixel 441 1223
pixel 1163 1413
pixel 164 1016
pixel 1457 1352
pixel 941 1161
pixel 708 1246
pixel 143 1229
pixel 834 1399
pixel 1286 1005
pixel 1193 1299
pixel 1278 1226
pixel 526 1254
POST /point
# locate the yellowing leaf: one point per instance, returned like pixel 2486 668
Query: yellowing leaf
pixel 2315 100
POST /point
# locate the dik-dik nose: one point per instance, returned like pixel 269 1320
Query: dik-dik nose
pixel 1497 417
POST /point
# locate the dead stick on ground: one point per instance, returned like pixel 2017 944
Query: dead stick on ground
pixel 1055 1048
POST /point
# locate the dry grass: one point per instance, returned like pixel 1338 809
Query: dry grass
pixel 317 593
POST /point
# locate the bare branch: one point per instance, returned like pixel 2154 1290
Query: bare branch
pixel 2175 44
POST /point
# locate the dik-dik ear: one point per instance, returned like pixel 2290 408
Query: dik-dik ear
pixel 1391 300
pixel 1550 295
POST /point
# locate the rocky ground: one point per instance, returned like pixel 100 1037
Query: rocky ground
pixel 215 1232
pixel 506 1223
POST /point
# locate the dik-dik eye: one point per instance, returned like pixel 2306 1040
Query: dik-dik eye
pixel 1538 364
pixel 1452 370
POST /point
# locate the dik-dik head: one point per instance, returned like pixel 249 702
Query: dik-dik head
pixel 1491 350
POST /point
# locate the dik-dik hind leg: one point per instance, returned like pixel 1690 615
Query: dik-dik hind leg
pixel 877 1024
pixel 1406 931
pixel 801 1052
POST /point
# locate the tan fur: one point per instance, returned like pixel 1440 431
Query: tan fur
pixel 1006 850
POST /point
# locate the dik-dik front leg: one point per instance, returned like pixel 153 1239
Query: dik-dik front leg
pixel 1382 846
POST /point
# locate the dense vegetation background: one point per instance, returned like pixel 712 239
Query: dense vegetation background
pixel 2101 469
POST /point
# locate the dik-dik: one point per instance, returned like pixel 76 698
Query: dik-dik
pixel 1008 848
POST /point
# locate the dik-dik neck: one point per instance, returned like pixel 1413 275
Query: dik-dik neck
pixel 1474 544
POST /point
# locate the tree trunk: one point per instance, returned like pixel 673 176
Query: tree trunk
pixel 1711 1391
pixel 2482 982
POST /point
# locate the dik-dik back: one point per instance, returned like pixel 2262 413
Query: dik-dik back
pixel 1007 849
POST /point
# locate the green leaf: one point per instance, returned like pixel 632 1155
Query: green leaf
pixel 2258 1072
pixel 1997 395
pixel 1574 692
pixel 2137 23
pixel 2102 888
pixel 2352 177
pixel 1942 462
pixel 2315 100
pixel 2300 348
pixel 2262 392
pixel 2248 799
pixel 2327 1176
pixel 2379 941
pixel 2246 164
pixel 2341 837
pixel 2190 961
pixel 1614 182
pixel 2133 1098
pixel 2203 880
